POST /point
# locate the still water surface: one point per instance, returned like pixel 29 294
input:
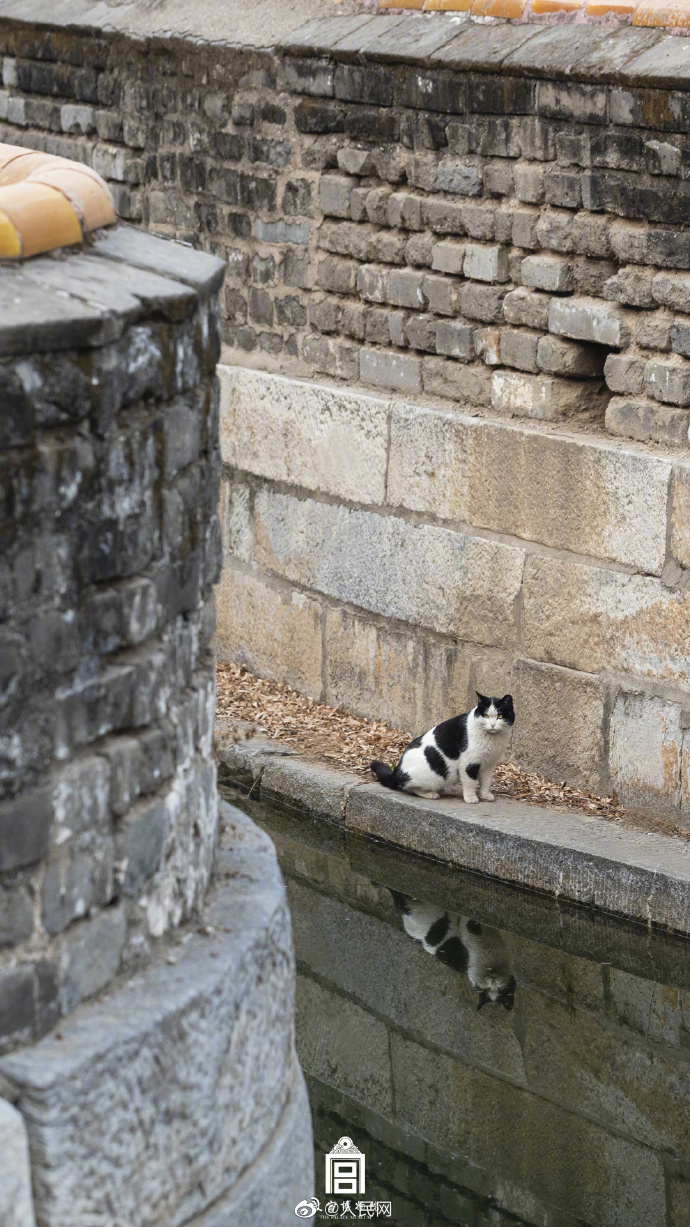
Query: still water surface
pixel 541 1077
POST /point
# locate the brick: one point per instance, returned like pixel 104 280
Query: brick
pixel 443 216
pixel 524 228
pixel 405 211
pixel 529 183
pixel 631 286
pixel 487 345
pixel 434 90
pixel 647 421
pixel 486 263
pixel 324 314
pixel 337 275
pixel 448 257
pixel 590 235
pixel 309 76
pixel 400 372
pixel 501 94
pixel 420 331
pixel 538 396
pixel 355 161
pixel 405 288
pixel 625 373
pixel 554 230
pixel 480 219
pixel 91 956
pixel 372 283
pixel 396 328
pixel 481 302
pixel 460 176
pixel 455 340
pixel 16 915
pixel 585 319
pixel 572 101
pixel 669 381
pixel 418 249
pixel 524 307
pixel 467 385
pixel 364 83
pixel 544 272
pixel 662 158
pixel 440 294
pixel 563 188
pixel 376 326
pixel 557 356
pixel 334 195
pixel 24 828
pixel 499 178
pixel 75 118
pixel 519 349
pixel 671 290
pixel 653 330
pixel 680 337
pixel 377 205
pixel 17 1010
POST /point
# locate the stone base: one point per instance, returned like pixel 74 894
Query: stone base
pixel 176 1098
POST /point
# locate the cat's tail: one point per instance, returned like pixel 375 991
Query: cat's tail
pixel 385 775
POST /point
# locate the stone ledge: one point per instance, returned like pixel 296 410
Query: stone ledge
pixel 573 856
pixel 183 1075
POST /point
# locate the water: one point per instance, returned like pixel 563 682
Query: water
pixel 570 1108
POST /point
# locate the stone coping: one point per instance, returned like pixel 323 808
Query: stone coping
pixel 462 41
pixel 573 856
pixel 72 300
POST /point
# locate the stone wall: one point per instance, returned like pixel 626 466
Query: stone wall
pixel 110 472
pixel 481 224
pixel 559 1111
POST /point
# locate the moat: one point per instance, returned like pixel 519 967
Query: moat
pixel 566 1102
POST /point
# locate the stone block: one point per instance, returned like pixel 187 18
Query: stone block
pixel 323 547
pixel 544 272
pixel 524 227
pixel 671 290
pixel 600 620
pixel 343 1045
pixel 372 283
pixel 668 382
pixel 448 256
pixel 311 787
pixel 560 357
pixel 302 433
pixel 646 740
pixel 624 373
pixel 91 956
pixel 334 195
pixel 405 679
pixel 647 421
pixel 527 308
pixel 355 161
pixel 443 216
pixel 337 275
pixel 468 385
pixel 405 211
pixel 631 286
pixel 405 288
pixel 541 397
pixel 529 182
pixel 309 76
pixel 420 331
pixel 483 263
pixel 461 176
pixel 564 748
pixel 275 633
pixel 519 349
pixel 588 319
pixel 16 915
pixel 399 372
pixel 454 339
pixel 25 828
pixel 654 330
pixel 680 515
pixel 680 337
pixel 16 1200
pixel 441 294
pixel 481 302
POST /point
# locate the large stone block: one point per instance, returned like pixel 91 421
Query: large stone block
pixel 646 741
pixel 16 1201
pixel 304 433
pixel 275 633
pixel 680 515
pixel 594 619
pixel 343 1045
pixel 427 470
pixel 559 725
pixel 405 679
pixel 381 563
pixel 532 1152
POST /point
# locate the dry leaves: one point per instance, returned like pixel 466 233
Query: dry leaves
pixel 351 742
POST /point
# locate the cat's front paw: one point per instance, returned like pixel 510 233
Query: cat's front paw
pixel 470 800
pixel 486 796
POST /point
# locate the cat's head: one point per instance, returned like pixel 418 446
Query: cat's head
pixel 503 994
pixel 495 715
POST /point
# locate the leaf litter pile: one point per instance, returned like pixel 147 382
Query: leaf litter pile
pixel 350 742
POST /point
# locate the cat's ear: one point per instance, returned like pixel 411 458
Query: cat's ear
pixel 507 701
pixel 482 697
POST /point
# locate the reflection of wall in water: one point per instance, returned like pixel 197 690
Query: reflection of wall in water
pixel 575 1105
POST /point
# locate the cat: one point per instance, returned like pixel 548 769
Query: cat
pixel 463 944
pixel 456 757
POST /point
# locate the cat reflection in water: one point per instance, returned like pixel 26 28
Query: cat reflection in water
pixel 463 944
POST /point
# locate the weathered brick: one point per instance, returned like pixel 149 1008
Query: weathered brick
pixel 546 272
pixel 455 340
pixel 334 195
pixel 400 372
pixel 647 421
pixel 309 76
pixel 419 249
pixel 337 275
pixel 653 330
pixel 529 183
pixel 670 290
pixel 486 263
pixel 625 373
pixel 448 257
pixel 372 283
pixel 434 90
pixel 525 307
pixel 405 211
pixel 481 302
pixel 405 288
pixel 364 83
pixel 460 176
pixel 377 205
pixel 443 216
pixel 24 828
pixel 538 396
pixel 519 349
pixel 420 331
pixel 557 356
pixel 441 295
pixel 585 319
pixel 468 385
pixel 669 381
pixel 355 161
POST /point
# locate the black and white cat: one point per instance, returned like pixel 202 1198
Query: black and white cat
pixel 463 944
pixel 456 757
